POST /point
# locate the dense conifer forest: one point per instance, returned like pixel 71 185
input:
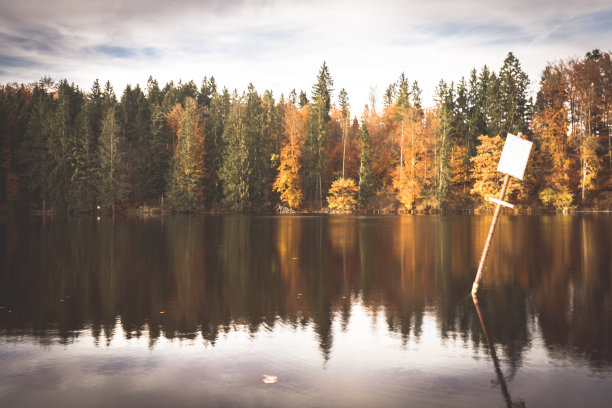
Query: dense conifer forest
pixel 191 148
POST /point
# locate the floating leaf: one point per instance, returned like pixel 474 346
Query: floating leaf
pixel 269 379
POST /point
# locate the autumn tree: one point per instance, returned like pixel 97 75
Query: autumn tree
pixel 550 134
pixel 487 180
pixel 586 116
pixel 411 170
pixel 343 195
pixel 289 180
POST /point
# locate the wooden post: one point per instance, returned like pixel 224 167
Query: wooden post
pixel 490 236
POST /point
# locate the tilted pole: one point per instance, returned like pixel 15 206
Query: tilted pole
pixel 483 259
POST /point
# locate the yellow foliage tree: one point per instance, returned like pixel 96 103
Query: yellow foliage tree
pixel 289 178
pixel 408 188
pixel 343 195
pixel 460 169
pixel 487 180
pixel 551 159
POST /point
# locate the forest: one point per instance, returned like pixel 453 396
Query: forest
pixel 186 148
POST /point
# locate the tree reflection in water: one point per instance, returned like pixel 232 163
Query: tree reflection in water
pixel 211 275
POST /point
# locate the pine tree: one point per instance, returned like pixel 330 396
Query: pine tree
pixel 366 184
pixel 156 163
pixel 37 162
pixel 214 126
pixel 315 163
pixel 113 167
pixel 444 142
pixel 62 146
pixel 83 189
pixel 344 106
pixel 236 171
pixel 515 107
pixel 187 174
pixel 256 149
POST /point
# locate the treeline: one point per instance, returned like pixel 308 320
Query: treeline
pixel 192 148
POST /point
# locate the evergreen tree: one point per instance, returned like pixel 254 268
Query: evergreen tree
pixel 315 163
pixel 37 162
pixel 344 106
pixel 62 145
pixel 187 174
pixel 444 144
pixel 403 91
pixel 260 177
pixel 113 167
pixel 109 99
pixel 95 113
pixel 153 171
pixel 207 90
pixel 83 186
pixel 153 93
pixel 493 107
pixel 515 107
pixel 214 126
pixel 366 184
pixel 235 171
pixel 303 99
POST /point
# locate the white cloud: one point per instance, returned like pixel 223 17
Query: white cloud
pixel 281 44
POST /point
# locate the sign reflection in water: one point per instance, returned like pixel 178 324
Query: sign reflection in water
pixel 343 311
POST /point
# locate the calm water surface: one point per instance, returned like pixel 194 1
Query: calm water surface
pixel 335 311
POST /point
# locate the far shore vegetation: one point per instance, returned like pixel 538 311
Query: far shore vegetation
pixel 184 148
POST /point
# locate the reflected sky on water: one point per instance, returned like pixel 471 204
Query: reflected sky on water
pixel 343 311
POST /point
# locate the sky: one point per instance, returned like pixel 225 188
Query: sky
pixel 281 45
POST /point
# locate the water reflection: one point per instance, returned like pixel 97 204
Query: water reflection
pixel 498 371
pixel 205 277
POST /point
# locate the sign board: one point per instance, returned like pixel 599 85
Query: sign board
pixel 514 156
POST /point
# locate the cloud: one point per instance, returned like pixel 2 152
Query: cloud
pixel 124 52
pixel 16 62
pixel 280 45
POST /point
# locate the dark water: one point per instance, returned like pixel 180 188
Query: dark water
pixel 342 311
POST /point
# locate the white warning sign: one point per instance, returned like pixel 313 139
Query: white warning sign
pixel 514 156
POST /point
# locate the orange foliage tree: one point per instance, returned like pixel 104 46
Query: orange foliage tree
pixel 551 159
pixel 487 180
pixel 174 118
pixel 289 180
pixel 343 195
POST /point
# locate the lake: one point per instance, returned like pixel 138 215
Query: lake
pixel 305 311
